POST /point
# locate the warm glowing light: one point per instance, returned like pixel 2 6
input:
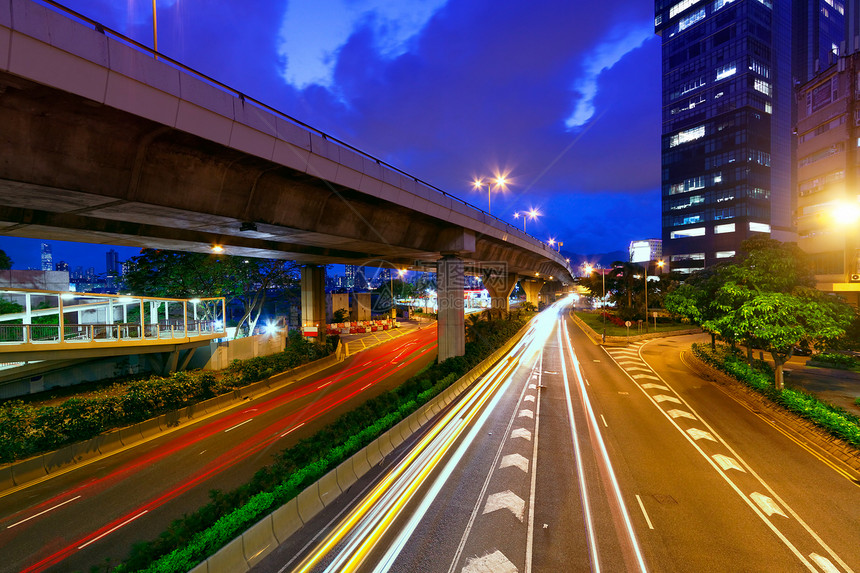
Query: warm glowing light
pixel 551 242
pixel 845 214
pixel 478 183
pixel 270 328
pixel 195 300
pixel 217 249
pixel 661 264
pixel 401 272
pixel 589 269
pixel 534 213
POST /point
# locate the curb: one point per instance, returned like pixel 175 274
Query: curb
pixel 813 435
pixel 290 517
pixel 41 466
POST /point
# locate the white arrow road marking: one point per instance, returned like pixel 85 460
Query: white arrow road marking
pixel 651 386
pixel 644 377
pixel 639 367
pixel 522 433
pixel 826 565
pixel 515 460
pixel 526 414
pixel 506 500
pixel 681 414
pixel 628 362
pixel 529 398
pixel 698 434
pixel 664 398
pixel 727 463
pixel 532 386
pixel 766 504
pixel 495 562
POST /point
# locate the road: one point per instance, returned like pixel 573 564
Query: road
pixel 96 512
pixel 571 457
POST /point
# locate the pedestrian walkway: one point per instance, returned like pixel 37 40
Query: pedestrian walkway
pixel 353 343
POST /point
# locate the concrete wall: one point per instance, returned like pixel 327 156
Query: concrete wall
pixel 334 302
pixel 219 355
pixel 36 280
pixel 76 374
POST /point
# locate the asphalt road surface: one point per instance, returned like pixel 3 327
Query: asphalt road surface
pixel 97 511
pixel 573 457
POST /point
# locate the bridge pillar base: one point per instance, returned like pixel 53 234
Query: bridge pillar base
pixel 531 287
pixel 451 333
pixel 499 288
pixel 313 301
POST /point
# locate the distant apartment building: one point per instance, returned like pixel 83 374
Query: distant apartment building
pixel 729 68
pixel 828 176
pixel 646 250
pixel 113 266
pixel 61 266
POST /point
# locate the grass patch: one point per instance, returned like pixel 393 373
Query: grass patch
pixel 595 321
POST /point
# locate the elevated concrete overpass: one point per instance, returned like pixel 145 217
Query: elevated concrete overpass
pixel 105 143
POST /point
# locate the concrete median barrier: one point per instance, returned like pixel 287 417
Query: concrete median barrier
pixel 130 435
pixel 286 520
pixel 201 568
pixel 86 450
pixel 374 455
pixel 259 541
pixel 59 459
pixel 28 470
pixel 385 445
pixel 230 558
pixel 359 462
pixel 309 502
pixel 110 442
pixel 329 488
pixel 345 476
pixel 6 480
pixel 149 428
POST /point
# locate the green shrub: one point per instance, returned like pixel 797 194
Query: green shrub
pixel 834 359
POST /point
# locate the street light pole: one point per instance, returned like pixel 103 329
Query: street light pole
pixel 646 298
pixel 154 30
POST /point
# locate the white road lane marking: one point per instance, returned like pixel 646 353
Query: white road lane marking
pixel 645 513
pixel 529 398
pixel 43 512
pixel 826 565
pixel 237 425
pixel 645 377
pixel 109 531
pixel 506 500
pixel 664 398
pixel 605 425
pixel 652 386
pixel 495 562
pixel 727 463
pixel 522 433
pixel 767 505
pixel 698 434
pixel 294 428
pixel 526 414
pixel 532 387
pixel 681 414
pixel 515 460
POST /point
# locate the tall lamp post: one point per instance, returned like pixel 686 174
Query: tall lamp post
pixel 391 290
pixel 499 181
pixel 530 214
pixel 589 269
pixel 646 298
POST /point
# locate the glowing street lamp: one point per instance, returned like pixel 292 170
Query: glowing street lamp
pixel 499 181
pixel 530 214
pixel 590 269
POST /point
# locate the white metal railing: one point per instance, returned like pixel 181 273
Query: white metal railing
pixel 75 333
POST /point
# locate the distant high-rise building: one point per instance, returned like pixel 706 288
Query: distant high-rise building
pixel 355 277
pixel 61 266
pixel 47 257
pixel 828 175
pixel 112 263
pixel 646 250
pixel 819 36
pixel 728 103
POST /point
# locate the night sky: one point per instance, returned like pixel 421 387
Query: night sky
pixel 563 95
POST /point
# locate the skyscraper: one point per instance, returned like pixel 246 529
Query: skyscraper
pixel 727 108
pixel 47 257
pixel 112 264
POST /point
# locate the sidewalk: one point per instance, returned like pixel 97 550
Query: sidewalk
pixel 838 387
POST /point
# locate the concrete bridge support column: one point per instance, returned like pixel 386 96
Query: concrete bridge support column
pixel 531 287
pixel 313 299
pixel 451 333
pixel 500 287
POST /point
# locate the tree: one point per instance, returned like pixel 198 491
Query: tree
pixel 5 261
pixel 766 300
pixel 177 274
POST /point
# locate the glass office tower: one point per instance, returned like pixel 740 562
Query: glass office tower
pixel 727 126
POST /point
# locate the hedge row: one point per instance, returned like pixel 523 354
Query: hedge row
pixel 192 538
pixel 27 429
pixel 759 376
pixel 834 360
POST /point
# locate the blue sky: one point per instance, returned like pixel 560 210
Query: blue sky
pixel 563 95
